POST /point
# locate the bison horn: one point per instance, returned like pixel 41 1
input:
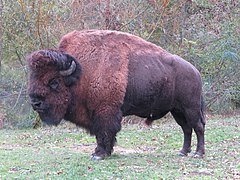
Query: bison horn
pixel 70 70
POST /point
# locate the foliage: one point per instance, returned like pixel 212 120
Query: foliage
pixel 26 28
pixel 141 153
pixel 204 32
pixel 215 48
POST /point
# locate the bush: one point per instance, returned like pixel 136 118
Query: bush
pixel 203 32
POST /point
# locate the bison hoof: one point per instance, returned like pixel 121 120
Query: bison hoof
pixel 184 152
pixel 98 157
pixel 198 155
pixel 180 153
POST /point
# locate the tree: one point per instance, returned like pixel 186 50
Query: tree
pixel 1 31
pixel 204 33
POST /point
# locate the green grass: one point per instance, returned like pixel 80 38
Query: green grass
pixel 142 153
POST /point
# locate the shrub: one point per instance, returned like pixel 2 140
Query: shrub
pixel 204 32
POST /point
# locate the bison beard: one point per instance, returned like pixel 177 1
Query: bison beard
pixel 96 77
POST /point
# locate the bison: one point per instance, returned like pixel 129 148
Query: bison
pixel 96 77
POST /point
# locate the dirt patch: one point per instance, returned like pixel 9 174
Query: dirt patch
pixel 89 148
pixel 201 172
pixel 83 148
pixel 9 147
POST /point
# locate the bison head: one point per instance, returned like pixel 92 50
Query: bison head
pixel 53 73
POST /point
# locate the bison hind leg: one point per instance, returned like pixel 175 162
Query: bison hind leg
pixel 196 120
pixel 187 130
pixel 190 120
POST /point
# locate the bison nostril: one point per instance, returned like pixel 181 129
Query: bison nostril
pixel 36 105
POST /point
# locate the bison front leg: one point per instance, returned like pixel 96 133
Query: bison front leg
pixel 105 143
pixel 105 129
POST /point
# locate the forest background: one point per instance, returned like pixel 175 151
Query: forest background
pixel 204 32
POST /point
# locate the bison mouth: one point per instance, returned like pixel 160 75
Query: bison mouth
pixel 51 114
pixel 47 116
pixel 46 113
pixel 48 119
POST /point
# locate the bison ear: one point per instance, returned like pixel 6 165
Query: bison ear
pixel 72 74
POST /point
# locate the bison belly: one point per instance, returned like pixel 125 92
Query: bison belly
pixel 149 90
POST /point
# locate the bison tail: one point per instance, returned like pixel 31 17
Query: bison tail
pixel 203 108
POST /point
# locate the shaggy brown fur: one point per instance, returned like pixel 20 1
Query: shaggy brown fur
pixel 115 74
pixel 104 61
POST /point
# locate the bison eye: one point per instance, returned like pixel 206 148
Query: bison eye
pixel 53 84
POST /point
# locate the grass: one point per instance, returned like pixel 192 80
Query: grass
pixel 142 153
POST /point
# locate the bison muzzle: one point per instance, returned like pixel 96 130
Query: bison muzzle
pixel 96 77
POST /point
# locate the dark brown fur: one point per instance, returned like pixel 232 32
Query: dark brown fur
pixel 117 74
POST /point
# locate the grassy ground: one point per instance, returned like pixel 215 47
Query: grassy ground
pixel 142 153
